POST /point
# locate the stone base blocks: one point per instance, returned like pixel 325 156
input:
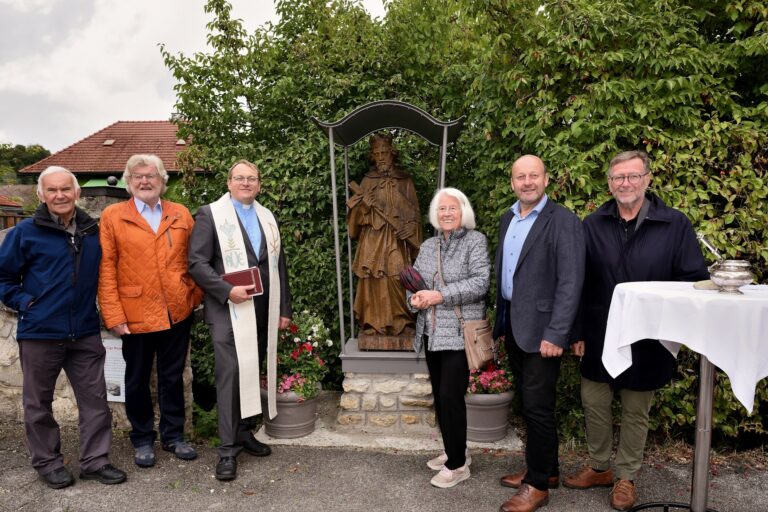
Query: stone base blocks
pixel 386 403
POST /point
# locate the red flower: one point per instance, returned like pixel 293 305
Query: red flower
pixel 293 328
pixel 295 354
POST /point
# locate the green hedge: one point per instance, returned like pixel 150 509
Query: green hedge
pixel 574 81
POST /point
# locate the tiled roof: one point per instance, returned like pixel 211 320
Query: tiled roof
pixel 6 201
pixel 92 155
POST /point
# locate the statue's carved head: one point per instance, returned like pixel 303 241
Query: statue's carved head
pixel 383 153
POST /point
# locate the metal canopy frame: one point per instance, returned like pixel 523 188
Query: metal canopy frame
pixel 367 119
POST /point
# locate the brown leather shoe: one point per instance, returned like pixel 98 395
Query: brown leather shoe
pixel 527 499
pixel 623 495
pixel 588 477
pixel 516 479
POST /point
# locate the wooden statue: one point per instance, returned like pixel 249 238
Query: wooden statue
pixel 383 217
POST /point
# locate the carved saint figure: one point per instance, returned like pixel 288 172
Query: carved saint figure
pixel 384 218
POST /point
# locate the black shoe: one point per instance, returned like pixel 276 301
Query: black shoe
pixel 255 447
pixel 226 469
pixel 58 478
pixel 106 474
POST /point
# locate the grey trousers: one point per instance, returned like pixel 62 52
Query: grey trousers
pixel 83 362
pixel 233 430
pixel 596 397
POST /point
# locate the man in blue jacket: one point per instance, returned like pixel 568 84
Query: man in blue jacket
pixel 632 237
pixel 48 273
pixel 539 274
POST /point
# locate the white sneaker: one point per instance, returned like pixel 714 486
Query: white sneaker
pixel 449 477
pixel 438 462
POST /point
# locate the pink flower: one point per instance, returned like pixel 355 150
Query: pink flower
pixel 288 382
pixel 490 379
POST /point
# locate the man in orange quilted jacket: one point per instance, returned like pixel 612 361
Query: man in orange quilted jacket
pixel 146 297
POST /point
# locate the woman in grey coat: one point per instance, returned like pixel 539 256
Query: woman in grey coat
pixel 463 253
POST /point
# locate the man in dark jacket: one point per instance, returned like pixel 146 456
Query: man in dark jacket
pixel 48 273
pixel 632 237
pixel 539 274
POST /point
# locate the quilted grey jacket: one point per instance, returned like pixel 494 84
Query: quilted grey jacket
pixel 466 271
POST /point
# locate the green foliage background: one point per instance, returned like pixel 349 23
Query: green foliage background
pixel 573 81
pixel 15 157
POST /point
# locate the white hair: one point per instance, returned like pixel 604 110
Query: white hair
pixel 144 161
pixel 467 213
pixel 54 169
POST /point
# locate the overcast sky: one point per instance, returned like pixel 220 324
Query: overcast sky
pixel 69 68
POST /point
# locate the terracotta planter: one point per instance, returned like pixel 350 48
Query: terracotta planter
pixel 294 418
pixel 487 416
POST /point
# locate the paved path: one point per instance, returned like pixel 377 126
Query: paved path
pixel 336 476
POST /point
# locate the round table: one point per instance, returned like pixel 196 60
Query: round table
pixel 727 330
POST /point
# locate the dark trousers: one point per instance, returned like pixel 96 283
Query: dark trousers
pixel 536 385
pixel 449 373
pixel 83 362
pixel 139 351
pixel 233 430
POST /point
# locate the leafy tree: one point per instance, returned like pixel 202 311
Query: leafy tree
pixel 252 97
pixel 13 158
pixel 577 81
pixel 7 175
pixel 574 81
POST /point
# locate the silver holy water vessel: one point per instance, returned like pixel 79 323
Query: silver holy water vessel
pixel 728 275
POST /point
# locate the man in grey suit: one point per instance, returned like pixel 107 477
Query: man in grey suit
pixel 206 265
pixel 540 271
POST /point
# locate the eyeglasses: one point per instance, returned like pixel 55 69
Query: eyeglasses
pixel 633 179
pixel 149 177
pixel 242 179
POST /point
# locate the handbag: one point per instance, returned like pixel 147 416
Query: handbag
pixel 479 345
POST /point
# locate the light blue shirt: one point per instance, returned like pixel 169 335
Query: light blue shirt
pixel 247 215
pixel 153 216
pixel 517 232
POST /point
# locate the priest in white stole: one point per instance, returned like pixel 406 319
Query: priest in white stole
pixel 234 233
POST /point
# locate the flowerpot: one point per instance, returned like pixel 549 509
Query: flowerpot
pixel 295 417
pixel 487 416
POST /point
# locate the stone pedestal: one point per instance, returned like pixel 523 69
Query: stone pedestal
pixel 385 392
pixel 386 403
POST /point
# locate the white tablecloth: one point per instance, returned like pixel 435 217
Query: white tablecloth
pixel 731 330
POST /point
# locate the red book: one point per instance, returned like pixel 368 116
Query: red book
pixel 247 277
